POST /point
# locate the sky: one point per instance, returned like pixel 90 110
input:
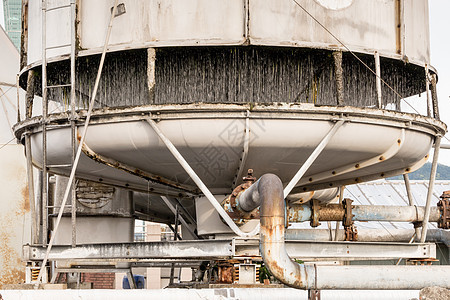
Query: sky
pixel 439 26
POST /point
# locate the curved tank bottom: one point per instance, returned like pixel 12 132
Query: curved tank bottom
pixel 221 142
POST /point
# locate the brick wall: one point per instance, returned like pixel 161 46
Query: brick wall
pixel 99 280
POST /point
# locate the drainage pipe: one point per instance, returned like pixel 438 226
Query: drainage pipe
pixel 302 276
pixel 388 213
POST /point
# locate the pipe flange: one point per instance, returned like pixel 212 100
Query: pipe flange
pixel 351 233
pixel 315 208
pixel 231 205
pixel 444 208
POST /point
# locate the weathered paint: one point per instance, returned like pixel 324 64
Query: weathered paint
pixel 364 26
pixel 14 214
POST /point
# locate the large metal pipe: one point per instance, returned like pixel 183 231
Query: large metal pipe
pixel 335 212
pixel 302 276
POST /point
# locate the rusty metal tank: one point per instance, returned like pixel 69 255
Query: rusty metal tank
pixel 235 84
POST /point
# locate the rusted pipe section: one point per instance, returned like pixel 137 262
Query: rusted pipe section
pixel 368 235
pixel 335 212
pixel 303 276
pixel 273 251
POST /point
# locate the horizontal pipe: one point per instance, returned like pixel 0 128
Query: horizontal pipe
pixel 368 235
pixel 335 212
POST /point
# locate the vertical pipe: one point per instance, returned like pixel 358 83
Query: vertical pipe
pixel 437 145
pixel 427 89
pixel 378 79
pixel 44 125
pixel 72 121
pixel 410 200
pixel 34 240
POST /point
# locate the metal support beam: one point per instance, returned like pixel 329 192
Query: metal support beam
pixel 44 126
pixel 410 201
pixel 195 251
pixel 430 188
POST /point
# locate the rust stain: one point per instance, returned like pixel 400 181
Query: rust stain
pixel 12 270
pixel 26 199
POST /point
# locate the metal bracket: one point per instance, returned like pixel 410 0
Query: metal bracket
pixel 351 233
pixel 444 208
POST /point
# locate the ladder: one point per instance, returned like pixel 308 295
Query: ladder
pixel 45 113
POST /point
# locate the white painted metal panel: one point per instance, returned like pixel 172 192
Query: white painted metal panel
pixel 57 33
pixel 156 22
pixel 362 25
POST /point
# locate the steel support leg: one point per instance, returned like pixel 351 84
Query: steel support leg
pixel 430 188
